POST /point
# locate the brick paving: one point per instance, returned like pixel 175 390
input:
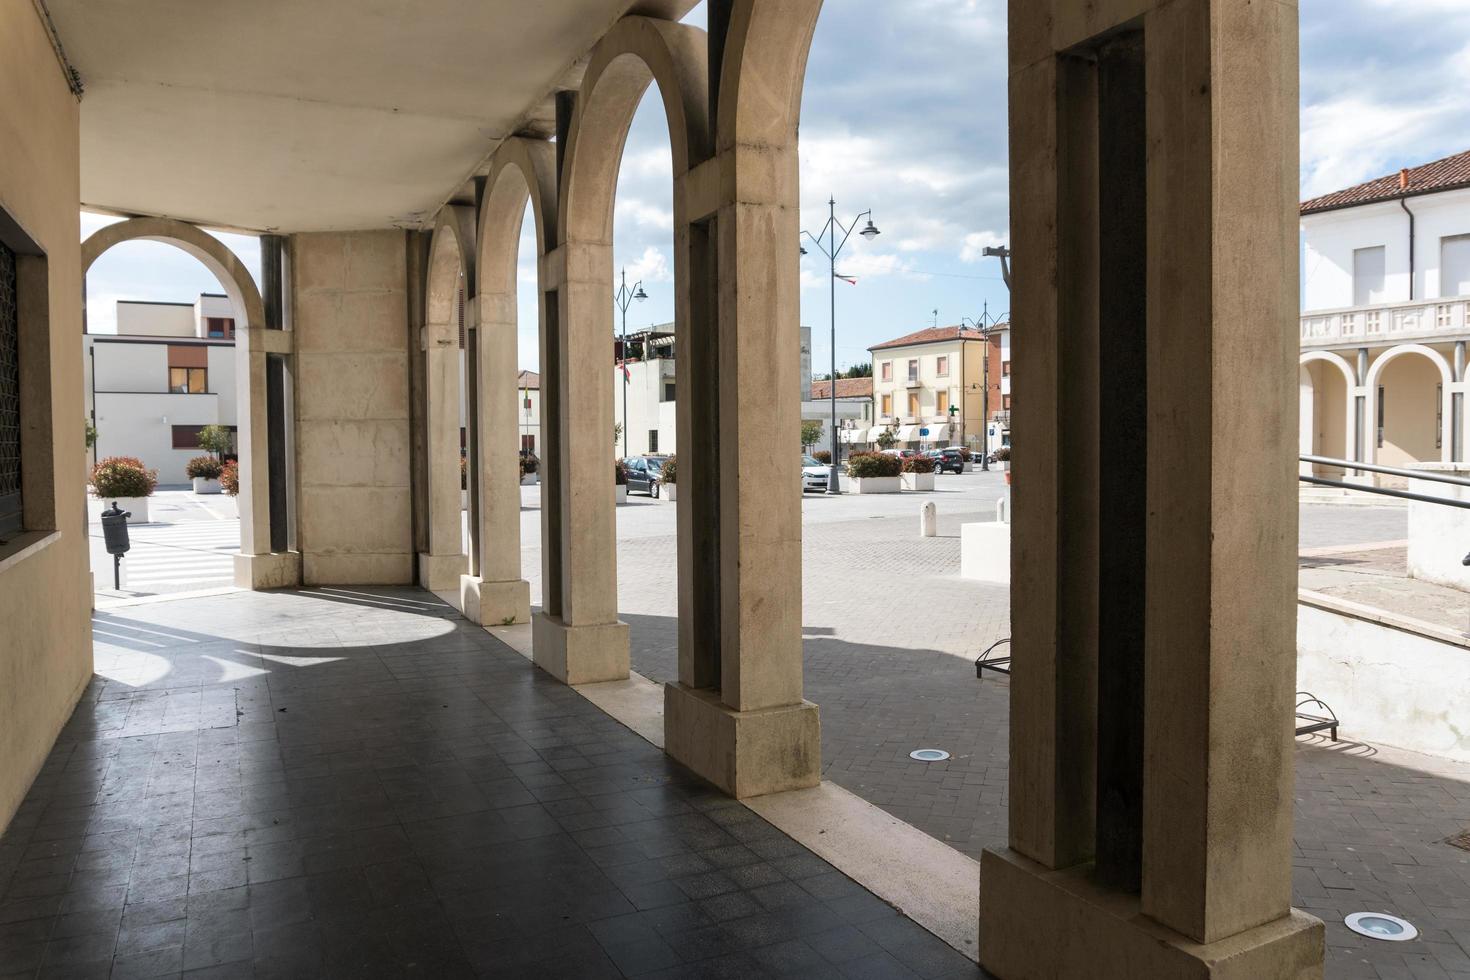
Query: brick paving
pixel 357 783
pixel 890 635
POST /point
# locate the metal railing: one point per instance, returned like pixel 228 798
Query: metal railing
pixel 1348 464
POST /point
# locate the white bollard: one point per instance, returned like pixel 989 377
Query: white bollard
pixel 928 521
pixel 1003 511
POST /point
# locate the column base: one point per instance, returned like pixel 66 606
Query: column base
pixel 580 654
pixel 1040 923
pixel 744 753
pixel 276 570
pixel 440 573
pixel 495 603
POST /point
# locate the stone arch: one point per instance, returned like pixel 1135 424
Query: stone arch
pixel 635 52
pixel 233 277
pixel 451 254
pixel 1371 384
pixel 763 72
pixel 1310 444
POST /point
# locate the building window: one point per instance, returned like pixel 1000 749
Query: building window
pixel 1005 369
pixel 1005 402
pixel 220 327
pixel 1442 316
pixel 1380 417
pixel 1454 265
pixel 887 408
pixel 941 401
pixel 526 403
pixel 886 370
pixel 528 444
pixel 913 370
pixel 653 440
pixel 668 391
pixel 1368 276
pixel 941 366
pixel 913 404
pixel 188 381
pixel 10 500
pixel 186 436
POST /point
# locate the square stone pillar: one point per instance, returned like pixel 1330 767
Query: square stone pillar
pixel 577 638
pixel 1151 721
pixel 442 565
pixel 736 715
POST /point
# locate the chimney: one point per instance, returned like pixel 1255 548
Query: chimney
pixel 1404 179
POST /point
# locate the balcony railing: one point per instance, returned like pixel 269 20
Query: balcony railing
pixel 1387 322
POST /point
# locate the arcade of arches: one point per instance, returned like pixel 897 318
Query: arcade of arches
pixel 1150 809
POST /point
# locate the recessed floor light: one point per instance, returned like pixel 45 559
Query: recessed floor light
pixel 1381 925
pixel 929 755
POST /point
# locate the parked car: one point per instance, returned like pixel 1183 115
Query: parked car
pixel 900 453
pixel 644 474
pixel 946 460
pixel 814 474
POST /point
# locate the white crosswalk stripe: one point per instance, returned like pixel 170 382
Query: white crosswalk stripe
pixel 194 554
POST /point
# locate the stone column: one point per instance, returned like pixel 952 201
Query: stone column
pixel 442 565
pixel 583 642
pixel 1151 720
pixel 737 716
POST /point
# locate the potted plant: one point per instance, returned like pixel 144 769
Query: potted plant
pixel 918 473
pixel 620 482
pixel 126 480
pixel 873 472
pixel 1003 457
pixel 216 439
pixel 229 482
pixel 886 439
pixel 666 478
pixel 204 471
pixel 822 456
pixel 530 467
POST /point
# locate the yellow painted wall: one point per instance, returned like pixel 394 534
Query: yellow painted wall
pixel 45 596
pixel 1409 383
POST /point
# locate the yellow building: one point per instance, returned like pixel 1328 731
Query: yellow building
pixel 929 387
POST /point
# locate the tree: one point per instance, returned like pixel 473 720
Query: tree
pixel 216 439
pixel 811 431
pixel 863 370
pixel 91 434
pixel 886 439
pixel 617 433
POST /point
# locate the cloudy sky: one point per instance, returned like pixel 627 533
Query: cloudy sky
pixel 904 113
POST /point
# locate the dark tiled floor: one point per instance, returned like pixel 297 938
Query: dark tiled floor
pixel 357 784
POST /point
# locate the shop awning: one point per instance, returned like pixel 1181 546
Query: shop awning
pixel 938 432
pixel 875 432
pixel 908 433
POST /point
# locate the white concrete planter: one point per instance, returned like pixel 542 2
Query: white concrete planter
pixel 620 493
pixel 136 506
pixel 205 485
pixel 464 500
pixel 917 481
pixel 530 479
pixel 668 491
pixel 873 484
pixel 985 551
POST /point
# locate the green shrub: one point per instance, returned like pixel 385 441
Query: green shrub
pixel 866 466
pixel 823 455
pixel 1003 454
pixel 123 476
pixel 620 474
pixel 216 439
pixel 204 468
pixel 229 478
pixel 918 464
pixel 530 464
pixel 669 474
pixel 886 439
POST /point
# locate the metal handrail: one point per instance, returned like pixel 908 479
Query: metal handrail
pixel 1386 492
pixel 1350 464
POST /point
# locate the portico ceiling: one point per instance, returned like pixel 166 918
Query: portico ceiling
pixel 297 115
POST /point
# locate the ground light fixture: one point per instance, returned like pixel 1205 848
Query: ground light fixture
pixel 930 755
pixel 1381 925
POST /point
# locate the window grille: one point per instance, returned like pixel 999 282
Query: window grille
pixel 10 502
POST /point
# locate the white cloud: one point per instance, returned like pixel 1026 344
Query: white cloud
pixel 651 266
pixel 642 214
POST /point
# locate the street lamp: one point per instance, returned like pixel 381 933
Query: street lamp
pixel 623 299
pixel 832 249
pixel 985 325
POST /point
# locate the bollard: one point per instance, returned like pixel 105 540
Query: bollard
pixel 1003 511
pixel 928 521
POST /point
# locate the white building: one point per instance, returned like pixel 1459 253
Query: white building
pixel 168 372
pixel 854 412
pixel 1385 317
pixel 528 394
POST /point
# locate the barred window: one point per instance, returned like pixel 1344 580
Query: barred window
pixel 10 502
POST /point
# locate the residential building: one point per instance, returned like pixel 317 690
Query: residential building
pixel 1385 318
pixel 528 402
pixel 167 373
pixel 929 388
pixel 854 412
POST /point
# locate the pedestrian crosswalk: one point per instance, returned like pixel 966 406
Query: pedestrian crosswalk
pixel 172 557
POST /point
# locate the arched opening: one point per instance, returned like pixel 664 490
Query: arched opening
pixel 165 381
pixel 1325 412
pixel 1406 417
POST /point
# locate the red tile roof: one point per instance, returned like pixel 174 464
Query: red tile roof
pixel 934 335
pixel 1440 175
pixel 528 379
pixel 846 388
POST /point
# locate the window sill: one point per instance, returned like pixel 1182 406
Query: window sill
pixel 25 545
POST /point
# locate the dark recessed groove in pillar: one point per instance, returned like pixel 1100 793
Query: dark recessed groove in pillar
pixel 701 457
pixel 551 471
pixel 1122 289
pixel 275 407
pixel 717 21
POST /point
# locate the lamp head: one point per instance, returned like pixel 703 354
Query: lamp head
pixel 870 231
pixel 639 294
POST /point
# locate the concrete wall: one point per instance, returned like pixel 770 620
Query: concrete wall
pixel 350 315
pixel 1439 536
pixel 45 590
pixel 1394 685
pixel 646 407
pixel 157 319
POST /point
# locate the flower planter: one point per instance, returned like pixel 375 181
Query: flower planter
pixel 137 507
pixel 530 479
pixel 620 493
pixel 464 500
pixel 205 485
pixel 668 491
pixel 917 481
pixel 874 484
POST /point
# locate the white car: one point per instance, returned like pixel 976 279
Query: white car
pixel 813 474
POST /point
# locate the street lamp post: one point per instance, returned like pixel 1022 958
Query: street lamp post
pixel 831 249
pixel 623 299
pixel 985 324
